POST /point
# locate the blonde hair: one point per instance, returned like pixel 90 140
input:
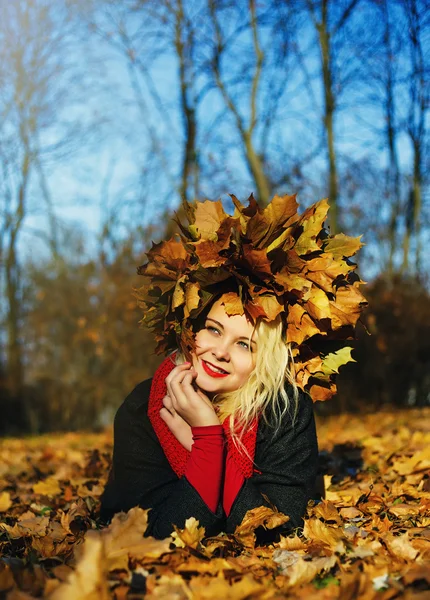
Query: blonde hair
pixel 265 389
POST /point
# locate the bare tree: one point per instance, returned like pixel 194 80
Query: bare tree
pixel 418 22
pixel 143 33
pixel 330 20
pixel 37 76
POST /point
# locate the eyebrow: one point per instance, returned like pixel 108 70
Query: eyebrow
pixel 243 337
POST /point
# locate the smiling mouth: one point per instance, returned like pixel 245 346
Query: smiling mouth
pixel 212 370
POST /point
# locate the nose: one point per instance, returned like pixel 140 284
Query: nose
pixel 221 350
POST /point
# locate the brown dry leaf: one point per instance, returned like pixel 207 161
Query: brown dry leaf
pixel 125 537
pixel 347 307
pixel 350 512
pixel 266 306
pixel 88 581
pixel 417 573
pixel 300 325
pixel 419 461
pixel 263 516
pixel 291 543
pixel 400 546
pixel 27 527
pixel 191 535
pixel 318 305
pixel 192 297
pixel 257 260
pixel 208 216
pixel 215 588
pixel 327 510
pixel 232 304
pixel 169 587
pixel 78 512
pixel 303 571
pixel 315 529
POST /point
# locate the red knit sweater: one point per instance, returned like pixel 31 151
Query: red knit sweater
pixel 204 467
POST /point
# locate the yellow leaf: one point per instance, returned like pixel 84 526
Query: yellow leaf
pixel 178 294
pixel 125 537
pixel 318 305
pixel 334 360
pixel 232 304
pixel 312 222
pixel 49 487
pixel 192 297
pixel 342 245
pixel 314 529
pixel 5 501
pixel 190 536
pixel 217 588
pixel 89 580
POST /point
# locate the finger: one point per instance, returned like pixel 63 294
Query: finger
pixel 185 393
pixel 167 402
pixel 175 387
pixel 176 377
pixel 166 416
pixel 174 372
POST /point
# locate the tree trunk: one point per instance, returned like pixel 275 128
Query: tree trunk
pixel 257 169
pixel 14 350
pixel 393 175
pixel 329 109
pixel 189 178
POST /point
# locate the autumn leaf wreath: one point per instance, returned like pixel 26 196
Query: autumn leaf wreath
pixel 268 261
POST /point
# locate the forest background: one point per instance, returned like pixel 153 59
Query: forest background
pixel 112 111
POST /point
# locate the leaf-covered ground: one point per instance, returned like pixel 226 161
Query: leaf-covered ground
pixel 370 537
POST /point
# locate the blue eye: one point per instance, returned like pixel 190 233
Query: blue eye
pixel 212 328
pixel 244 345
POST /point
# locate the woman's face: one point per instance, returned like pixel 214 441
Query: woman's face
pixel 225 351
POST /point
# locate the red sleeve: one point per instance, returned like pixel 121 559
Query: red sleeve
pixel 233 481
pixel 206 463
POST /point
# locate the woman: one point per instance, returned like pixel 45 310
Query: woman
pixel 229 429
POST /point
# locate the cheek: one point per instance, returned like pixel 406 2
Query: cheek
pixel 202 341
pixel 245 366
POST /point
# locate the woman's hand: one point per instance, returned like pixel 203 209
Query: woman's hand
pixel 192 405
pixel 180 428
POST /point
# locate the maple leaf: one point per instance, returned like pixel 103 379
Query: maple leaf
pixel 262 516
pixel 192 298
pixel 300 571
pixel 215 588
pixel 191 535
pixel 265 306
pixel 125 537
pixel 311 222
pixel 88 581
pixel 207 219
pixel 318 305
pixel 347 307
pixel 28 525
pixel 342 245
pixel 314 529
pixel 401 546
pixel 232 304
pixel 333 361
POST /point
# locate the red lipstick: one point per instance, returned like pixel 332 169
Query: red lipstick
pixel 209 370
